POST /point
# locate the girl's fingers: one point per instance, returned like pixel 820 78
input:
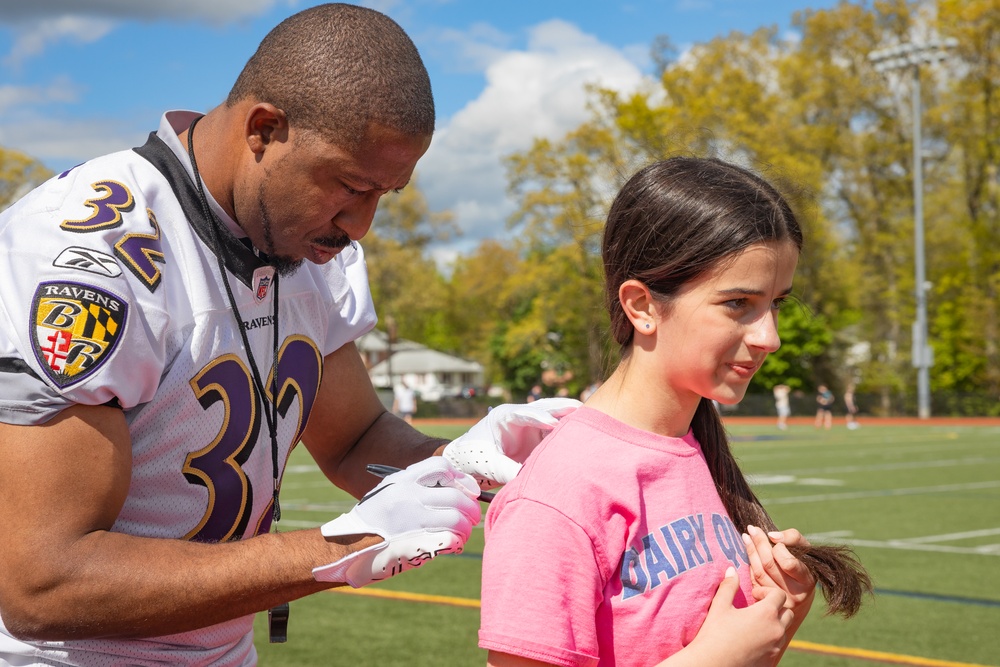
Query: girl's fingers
pixel 758 575
pixel 790 565
pixel 790 537
pixel 763 552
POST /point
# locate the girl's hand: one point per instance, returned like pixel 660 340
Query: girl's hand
pixel 754 636
pixel 776 567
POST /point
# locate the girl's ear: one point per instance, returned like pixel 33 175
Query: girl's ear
pixel 638 304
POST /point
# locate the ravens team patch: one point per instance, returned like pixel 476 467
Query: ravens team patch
pixel 74 329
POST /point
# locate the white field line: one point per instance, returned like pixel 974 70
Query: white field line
pixel 874 444
pixel 856 495
pixel 332 508
pixel 299 469
pixel 319 484
pixel 764 479
pixel 901 465
pixel 955 536
pixel 917 543
pixel 906 545
pixel 858 449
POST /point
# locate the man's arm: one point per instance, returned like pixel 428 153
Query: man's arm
pixel 62 486
pixel 350 428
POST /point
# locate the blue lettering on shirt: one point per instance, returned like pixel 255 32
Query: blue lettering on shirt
pixel 725 539
pixel 687 541
pixel 656 561
pixel 686 536
pixel 729 540
pixel 672 545
pixel 636 585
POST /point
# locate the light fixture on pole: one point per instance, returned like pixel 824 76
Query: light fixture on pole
pixel 911 55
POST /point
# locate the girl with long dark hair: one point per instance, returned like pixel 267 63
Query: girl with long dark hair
pixel 610 545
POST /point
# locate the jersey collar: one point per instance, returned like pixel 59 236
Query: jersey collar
pixel 240 260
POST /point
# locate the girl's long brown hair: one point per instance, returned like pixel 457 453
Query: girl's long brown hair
pixel 840 574
pixel 671 222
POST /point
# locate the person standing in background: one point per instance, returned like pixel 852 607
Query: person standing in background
pixel 782 404
pixel 824 407
pixel 852 407
pixel 404 401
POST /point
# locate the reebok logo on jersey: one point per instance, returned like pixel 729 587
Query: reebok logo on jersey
pixel 74 329
pixel 88 260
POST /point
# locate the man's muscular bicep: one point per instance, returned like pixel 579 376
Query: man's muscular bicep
pixel 59 482
pixel 345 408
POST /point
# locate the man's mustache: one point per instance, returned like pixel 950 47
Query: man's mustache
pixel 338 242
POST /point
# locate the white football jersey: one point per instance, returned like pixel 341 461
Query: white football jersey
pixel 111 294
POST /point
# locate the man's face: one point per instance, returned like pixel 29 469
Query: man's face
pixel 308 198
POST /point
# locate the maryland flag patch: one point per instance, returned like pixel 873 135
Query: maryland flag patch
pixel 74 329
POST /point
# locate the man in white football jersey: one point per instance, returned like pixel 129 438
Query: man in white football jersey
pixel 174 319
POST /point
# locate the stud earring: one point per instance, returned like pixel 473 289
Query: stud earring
pixel 648 325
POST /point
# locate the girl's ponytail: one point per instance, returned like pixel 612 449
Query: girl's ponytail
pixel 841 576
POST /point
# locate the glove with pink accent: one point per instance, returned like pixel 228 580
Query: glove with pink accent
pixel 423 511
pixel 495 448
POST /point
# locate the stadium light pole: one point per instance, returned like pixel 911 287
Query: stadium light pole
pixel 911 55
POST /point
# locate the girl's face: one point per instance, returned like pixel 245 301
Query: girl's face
pixel 715 333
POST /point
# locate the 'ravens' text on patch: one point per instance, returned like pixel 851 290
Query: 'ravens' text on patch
pixel 74 329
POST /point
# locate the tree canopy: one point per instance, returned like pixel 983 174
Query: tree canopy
pixel 810 114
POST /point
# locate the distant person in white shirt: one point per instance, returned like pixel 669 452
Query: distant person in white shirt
pixel 404 401
pixel 781 404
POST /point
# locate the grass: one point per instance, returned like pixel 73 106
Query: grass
pixel 920 504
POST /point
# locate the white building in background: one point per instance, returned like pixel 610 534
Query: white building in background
pixel 432 374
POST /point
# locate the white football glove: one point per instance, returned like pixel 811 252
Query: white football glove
pixel 495 448
pixel 423 511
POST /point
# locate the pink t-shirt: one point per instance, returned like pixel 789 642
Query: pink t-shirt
pixel 607 548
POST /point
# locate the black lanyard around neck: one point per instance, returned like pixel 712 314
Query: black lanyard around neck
pixel 270 407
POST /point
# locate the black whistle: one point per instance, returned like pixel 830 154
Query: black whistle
pixel 277 623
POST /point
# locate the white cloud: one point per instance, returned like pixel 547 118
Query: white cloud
pixel 538 92
pixel 475 48
pixel 64 143
pixel 14 97
pixel 187 10
pixel 32 37
pixel 56 140
pixel 36 24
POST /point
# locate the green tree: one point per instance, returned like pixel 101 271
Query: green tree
pixel 814 117
pixel 562 206
pixel 18 174
pixel 480 303
pixel 405 282
pixel 805 338
pixel 972 117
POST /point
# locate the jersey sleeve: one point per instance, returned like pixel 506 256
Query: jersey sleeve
pixel 352 311
pixel 541 586
pixel 72 328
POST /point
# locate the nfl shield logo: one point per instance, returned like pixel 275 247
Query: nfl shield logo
pixel 262 287
pixel 263 276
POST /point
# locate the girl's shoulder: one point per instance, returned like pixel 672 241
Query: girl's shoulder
pixel 592 455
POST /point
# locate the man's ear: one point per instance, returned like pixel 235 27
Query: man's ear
pixel 639 306
pixel 265 124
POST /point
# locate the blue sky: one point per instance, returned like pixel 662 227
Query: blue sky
pixel 79 78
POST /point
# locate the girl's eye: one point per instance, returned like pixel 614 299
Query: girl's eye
pixel 735 304
pixel 779 302
pixel 351 191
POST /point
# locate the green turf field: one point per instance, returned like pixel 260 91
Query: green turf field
pixel 921 505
